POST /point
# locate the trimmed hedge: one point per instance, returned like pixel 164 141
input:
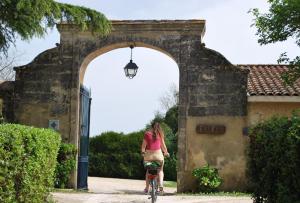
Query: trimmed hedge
pixel 66 162
pixel 274 160
pixel 118 155
pixel 27 163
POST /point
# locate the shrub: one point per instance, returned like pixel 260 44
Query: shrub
pixel 170 167
pixel 274 160
pixel 170 139
pixel 66 162
pixel 117 165
pixel 27 163
pixel 116 155
pixel 208 178
pixel 106 142
pixel 171 118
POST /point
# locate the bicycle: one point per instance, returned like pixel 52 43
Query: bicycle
pixel 152 167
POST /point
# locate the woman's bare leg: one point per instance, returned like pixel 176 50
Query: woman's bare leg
pixel 147 181
pixel 161 177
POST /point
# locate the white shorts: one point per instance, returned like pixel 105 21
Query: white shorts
pixel 154 155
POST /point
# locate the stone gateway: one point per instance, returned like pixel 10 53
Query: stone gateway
pixel 212 92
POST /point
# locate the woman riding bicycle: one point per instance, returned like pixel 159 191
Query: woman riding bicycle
pixel 154 149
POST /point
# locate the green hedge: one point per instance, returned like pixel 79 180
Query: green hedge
pixel 170 168
pixel 27 163
pixel 66 162
pixel 274 160
pixel 118 155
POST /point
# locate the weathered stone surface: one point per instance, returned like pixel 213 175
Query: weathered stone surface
pixel 7 100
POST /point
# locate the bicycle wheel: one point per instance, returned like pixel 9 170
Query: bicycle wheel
pixel 153 191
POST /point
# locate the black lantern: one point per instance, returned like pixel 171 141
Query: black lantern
pixel 131 68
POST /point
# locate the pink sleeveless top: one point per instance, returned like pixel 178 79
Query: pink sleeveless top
pixel 151 143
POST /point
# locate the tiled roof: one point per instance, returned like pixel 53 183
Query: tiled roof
pixel 265 80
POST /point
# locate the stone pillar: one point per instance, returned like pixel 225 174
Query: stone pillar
pixel 213 93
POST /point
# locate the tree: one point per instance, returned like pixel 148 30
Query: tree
pixel 280 23
pixel 171 118
pixel 7 65
pixel 170 97
pixel 28 19
pixel 6 68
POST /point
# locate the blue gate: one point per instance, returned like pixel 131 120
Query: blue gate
pixel 83 158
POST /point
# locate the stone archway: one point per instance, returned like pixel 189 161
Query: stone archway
pixel 212 91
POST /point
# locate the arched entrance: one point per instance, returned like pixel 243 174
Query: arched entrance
pixel 212 92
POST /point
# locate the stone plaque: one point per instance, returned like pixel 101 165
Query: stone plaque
pixel 210 129
pixel 54 124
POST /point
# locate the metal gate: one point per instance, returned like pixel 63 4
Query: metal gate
pixel 83 158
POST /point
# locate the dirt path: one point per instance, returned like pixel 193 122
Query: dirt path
pixel 110 190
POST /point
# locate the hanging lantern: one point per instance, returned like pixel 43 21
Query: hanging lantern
pixel 131 68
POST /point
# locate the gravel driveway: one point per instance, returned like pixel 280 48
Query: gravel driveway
pixel 111 190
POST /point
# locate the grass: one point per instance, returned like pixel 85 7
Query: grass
pixel 50 199
pixel 69 190
pixel 228 194
pixel 170 184
pixel 173 184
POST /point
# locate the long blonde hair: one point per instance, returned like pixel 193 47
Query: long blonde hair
pixel 156 130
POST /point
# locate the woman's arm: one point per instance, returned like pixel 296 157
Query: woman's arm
pixel 143 147
pixel 163 146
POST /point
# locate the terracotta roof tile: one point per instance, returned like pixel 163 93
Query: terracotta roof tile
pixel 265 80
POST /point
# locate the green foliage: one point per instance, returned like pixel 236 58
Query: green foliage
pixel 106 142
pixel 66 162
pixel 293 72
pixel 118 155
pixel 170 138
pixel 170 184
pixel 171 118
pixel 274 160
pixel 27 163
pixel 280 23
pixel 159 118
pixel 170 168
pixel 32 18
pixel 208 178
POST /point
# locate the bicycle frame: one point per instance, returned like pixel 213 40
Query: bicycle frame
pixel 154 186
pixel 153 168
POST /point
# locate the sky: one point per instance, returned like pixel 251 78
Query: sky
pixel 126 105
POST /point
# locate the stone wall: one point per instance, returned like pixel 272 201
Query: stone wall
pixel 211 91
pixel 42 92
pixel 216 94
pixel 260 111
pixel 7 100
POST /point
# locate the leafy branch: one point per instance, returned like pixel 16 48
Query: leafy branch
pixel 279 24
pixel 28 19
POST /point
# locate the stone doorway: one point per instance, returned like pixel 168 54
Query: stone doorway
pixel 212 91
